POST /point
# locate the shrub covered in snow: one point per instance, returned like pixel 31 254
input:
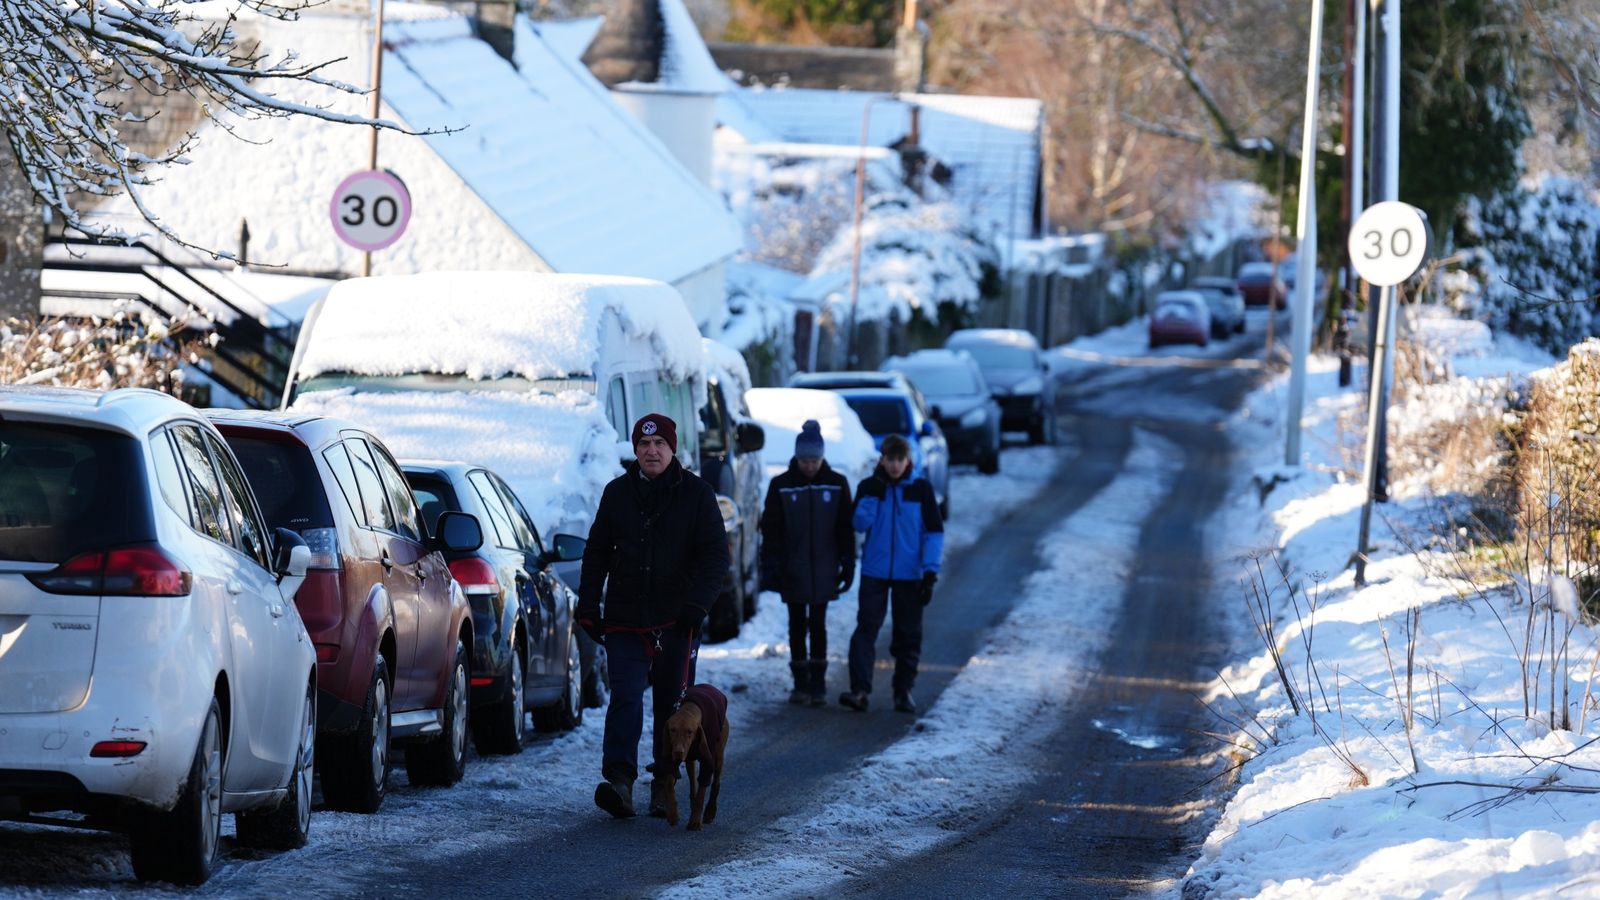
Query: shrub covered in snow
pixel 125 350
pixel 1531 262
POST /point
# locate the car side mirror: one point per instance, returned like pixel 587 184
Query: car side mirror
pixel 458 532
pixel 751 437
pixel 291 557
pixel 935 412
pixel 565 548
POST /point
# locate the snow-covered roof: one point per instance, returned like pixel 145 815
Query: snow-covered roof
pixel 849 448
pixel 493 324
pixel 686 64
pixel 547 171
pixel 991 144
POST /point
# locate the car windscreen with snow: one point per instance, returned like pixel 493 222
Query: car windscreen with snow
pixel 882 415
pixel 943 381
pixel 66 490
pixel 286 483
pixel 1180 308
pixel 998 356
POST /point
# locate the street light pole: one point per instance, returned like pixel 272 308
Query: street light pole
pixel 1306 249
pixel 855 249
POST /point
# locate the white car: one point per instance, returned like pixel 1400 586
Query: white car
pixel 156 673
pixel 847 444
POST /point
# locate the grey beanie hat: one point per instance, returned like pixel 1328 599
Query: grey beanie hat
pixel 808 443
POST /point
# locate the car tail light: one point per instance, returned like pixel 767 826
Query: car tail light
pixel 141 570
pixel 478 681
pixel 327 653
pixel 474 575
pixel 117 749
pixel 324 544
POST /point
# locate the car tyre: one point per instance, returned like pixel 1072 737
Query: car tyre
pixel 499 729
pixel 597 680
pixel 989 463
pixel 566 713
pixel 287 826
pixel 442 760
pixel 355 769
pixel 180 845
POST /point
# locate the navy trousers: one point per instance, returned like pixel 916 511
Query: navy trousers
pixel 876 597
pixel 635 663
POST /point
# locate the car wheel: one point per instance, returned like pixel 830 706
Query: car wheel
pixel 597 681
pixel 355 769
pixel 180 845
pixel 442 760
pixel 288 825
pixel 499 729
pixel 567 713
pixel 944 506
pixel 989 463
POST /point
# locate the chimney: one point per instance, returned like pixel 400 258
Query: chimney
pixel 910 52
pixel 495 21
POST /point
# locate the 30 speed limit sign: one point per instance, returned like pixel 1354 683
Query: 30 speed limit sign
pixel 370 210
pixel 1388 242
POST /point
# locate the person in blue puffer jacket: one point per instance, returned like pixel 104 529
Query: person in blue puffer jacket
pixel 900 555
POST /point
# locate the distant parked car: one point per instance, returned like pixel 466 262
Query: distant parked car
pixel 782 411
pixel 1225 303
pixel 153 670
pixel 1179 317
pixel 1018 376
pixel 526 656
pixel 1260 285
pixel 831 381
pixel 961 402
pixel 730 459
pixel 392 629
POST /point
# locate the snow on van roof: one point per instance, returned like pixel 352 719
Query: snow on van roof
pixel 556 451
pixel 493 324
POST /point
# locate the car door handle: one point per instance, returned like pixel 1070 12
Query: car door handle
pixel 277 610
pixel 386 562
pixel 235 587
pixel 422 574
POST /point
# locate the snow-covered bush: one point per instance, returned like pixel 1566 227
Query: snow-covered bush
pixel 126 350
pixel 1531 262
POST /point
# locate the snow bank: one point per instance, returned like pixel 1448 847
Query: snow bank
pixel 850 450
pixel 493 324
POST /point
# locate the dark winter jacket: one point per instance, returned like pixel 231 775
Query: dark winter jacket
pixel 713 706
pixel 905 534
pixel 656 550
pixel 807 543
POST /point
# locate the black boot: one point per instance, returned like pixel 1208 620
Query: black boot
pixel 802 681
pixel 615 796
pixel 817 682
pixel 658 797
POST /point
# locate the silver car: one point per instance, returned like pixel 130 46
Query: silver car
pixel 156 673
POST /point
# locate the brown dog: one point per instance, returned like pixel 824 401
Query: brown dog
pixel 697 735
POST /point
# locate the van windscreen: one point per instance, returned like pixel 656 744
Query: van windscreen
pixel 65 490
pixel 284 478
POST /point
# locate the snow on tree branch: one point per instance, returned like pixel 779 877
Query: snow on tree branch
pixel 74 70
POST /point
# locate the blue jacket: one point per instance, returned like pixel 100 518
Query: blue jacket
pixel 904 532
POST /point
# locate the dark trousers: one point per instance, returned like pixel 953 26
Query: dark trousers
pixel 635 663
pixel 904 600
pixel 808 620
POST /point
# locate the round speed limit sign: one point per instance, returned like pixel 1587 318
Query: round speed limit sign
pixel 370 210
pixel 1387 242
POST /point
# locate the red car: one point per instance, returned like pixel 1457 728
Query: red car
pixel 1260 285
pixel 1180 317
pixel 392 628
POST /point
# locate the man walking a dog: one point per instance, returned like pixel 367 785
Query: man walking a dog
pixel 808 554
pixel 899 565
pixel 657 555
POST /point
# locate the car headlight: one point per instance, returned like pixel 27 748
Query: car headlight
pixel 974 418
pixel 1033 385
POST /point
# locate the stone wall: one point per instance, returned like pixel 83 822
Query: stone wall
pixel 21 241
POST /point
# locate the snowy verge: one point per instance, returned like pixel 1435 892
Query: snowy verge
pixel 976 743
pixel 1481 795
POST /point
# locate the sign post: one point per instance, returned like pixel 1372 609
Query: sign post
pixel 1386 244
pixel 370 210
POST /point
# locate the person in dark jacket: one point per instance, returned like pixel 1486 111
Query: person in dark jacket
pixel 808 555
pixel 657 554
pixel 899 565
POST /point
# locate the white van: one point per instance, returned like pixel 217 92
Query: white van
pixel 536 376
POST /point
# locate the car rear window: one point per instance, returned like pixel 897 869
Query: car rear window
pixel 998 356
pixel 285 481
pixel 65 490
pixel 881 415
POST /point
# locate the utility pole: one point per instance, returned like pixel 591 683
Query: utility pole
pixel 372 109
pixel 1306 250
